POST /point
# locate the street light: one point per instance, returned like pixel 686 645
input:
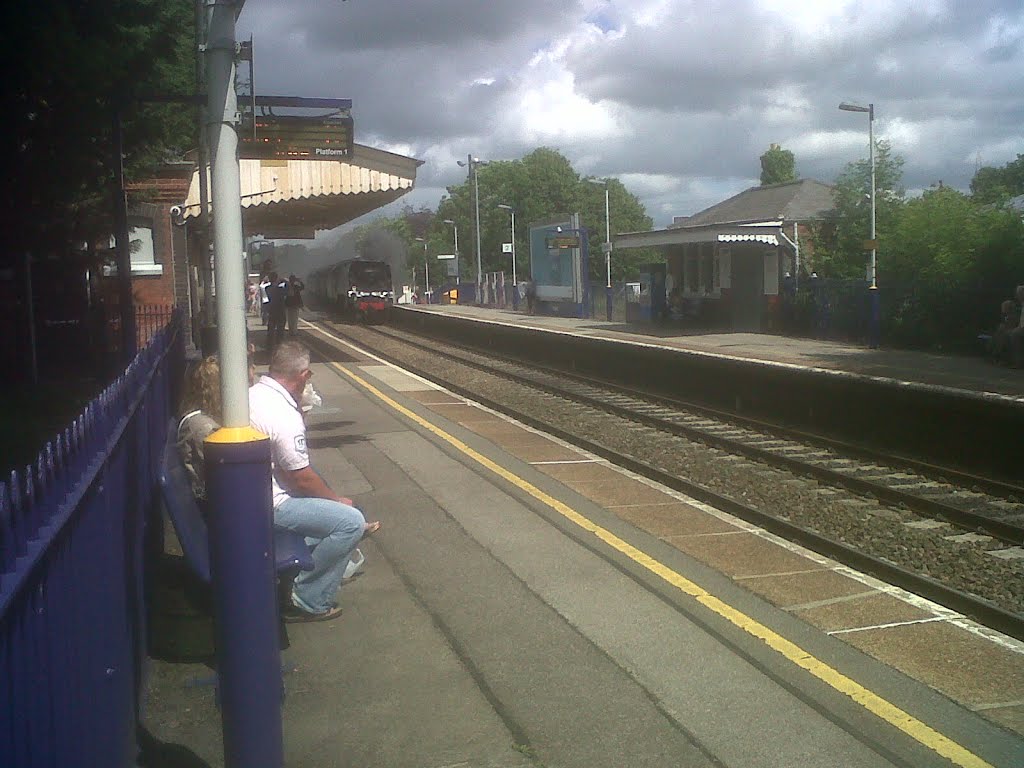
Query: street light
pixel 515 280
pixel 474 163
pixel 869 110
pixel 456 228
pixel 607 246
pixel 426 268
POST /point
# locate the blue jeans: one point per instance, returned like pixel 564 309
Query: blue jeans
pixel 332 529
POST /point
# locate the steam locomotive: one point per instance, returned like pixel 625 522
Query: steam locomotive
pixel 358 290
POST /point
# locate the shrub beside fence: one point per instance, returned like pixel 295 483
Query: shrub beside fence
pixel 73 543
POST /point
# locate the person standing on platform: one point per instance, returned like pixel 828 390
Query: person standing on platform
pixel 264 284
pixel 531 296
pixel 277 292
pixel 293 303
pixel 302 501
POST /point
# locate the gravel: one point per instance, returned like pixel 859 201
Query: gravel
pixel 862 523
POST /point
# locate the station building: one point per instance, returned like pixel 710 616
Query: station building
pixel 727 265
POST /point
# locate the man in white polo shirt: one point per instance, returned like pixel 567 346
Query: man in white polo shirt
pixel 303 502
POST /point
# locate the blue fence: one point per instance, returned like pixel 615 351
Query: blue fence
pixel 73 544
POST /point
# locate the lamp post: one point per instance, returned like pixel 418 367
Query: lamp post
pixel 474 163
pixel 456 228
pixel 607 247
pixel 873 331
pixel 515 279
pixel 426 269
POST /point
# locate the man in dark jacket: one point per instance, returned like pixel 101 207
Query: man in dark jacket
pixel 277 292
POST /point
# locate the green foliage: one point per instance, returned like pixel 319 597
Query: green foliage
pixel 66 65
pixel 777 166
pixel 541 186
pixel 994 185
pixel 843 254
pixel 949 264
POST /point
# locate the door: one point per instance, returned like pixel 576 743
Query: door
pixel 747 289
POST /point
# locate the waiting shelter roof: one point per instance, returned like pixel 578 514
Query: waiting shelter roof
pixel 801 200
pixel 755 215
pixel 293 199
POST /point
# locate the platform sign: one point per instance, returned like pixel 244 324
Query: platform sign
pixel 443 256
pixel 293 137
pixel 506 247
pixel 563 241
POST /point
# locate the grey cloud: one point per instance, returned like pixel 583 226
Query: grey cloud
pixel 366 25
pixel 703 94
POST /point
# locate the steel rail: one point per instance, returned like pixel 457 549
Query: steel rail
pixel 930 507
pixel 984 611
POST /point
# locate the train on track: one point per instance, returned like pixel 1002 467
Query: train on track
pixel 358 290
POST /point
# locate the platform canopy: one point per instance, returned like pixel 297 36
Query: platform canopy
pixel 293 199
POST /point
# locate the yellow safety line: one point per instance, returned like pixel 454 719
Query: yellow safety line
pixel 871 701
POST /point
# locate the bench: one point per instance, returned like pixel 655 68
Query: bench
pixel 291 553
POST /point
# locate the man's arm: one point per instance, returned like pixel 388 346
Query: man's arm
pixel 305 483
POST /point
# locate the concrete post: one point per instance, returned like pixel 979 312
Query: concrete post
pixel 222 112
pixel 237 457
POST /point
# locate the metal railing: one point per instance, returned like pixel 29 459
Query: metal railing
pixel 74 528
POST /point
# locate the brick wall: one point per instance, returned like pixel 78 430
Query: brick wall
pixel 152 199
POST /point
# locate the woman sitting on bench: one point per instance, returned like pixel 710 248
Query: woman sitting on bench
pixel 201 417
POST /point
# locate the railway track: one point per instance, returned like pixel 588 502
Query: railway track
pixel 958 504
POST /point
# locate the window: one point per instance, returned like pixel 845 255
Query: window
pixel 724 261
pixel 141 247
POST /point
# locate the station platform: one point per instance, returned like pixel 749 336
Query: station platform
pixel 528 604
pixel 974 374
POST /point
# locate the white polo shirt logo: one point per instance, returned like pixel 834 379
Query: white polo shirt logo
pixel 300 443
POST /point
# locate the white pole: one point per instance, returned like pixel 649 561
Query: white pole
pixel 222 112
pixel 796 261
pixel 607 236
pixel 476 185
pixel 871 150
pixel 515 281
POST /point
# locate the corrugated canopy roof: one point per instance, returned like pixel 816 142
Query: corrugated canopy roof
pixel 295 198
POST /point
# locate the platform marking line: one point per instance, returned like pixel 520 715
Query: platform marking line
pixel 564 461
pixel 882 708
pixel 830 601
pixel 782 573
pixel 890 625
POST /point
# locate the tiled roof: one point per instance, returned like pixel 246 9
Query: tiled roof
pixel 803 200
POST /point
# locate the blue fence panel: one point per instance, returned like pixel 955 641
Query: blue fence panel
pixel 72 556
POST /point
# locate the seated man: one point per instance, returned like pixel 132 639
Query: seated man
pixel 303 502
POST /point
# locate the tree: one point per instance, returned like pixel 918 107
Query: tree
pixel 777 166
pixel 541 186
pixel 844 254
pixel 993 185
pixel 949 264
pixel 66 66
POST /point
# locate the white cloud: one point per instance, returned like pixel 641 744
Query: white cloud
pixel 678 98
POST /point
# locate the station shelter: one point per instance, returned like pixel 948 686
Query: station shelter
pixel 728 265
pixel 559 266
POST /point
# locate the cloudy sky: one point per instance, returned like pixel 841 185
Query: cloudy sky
pixel 677 98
